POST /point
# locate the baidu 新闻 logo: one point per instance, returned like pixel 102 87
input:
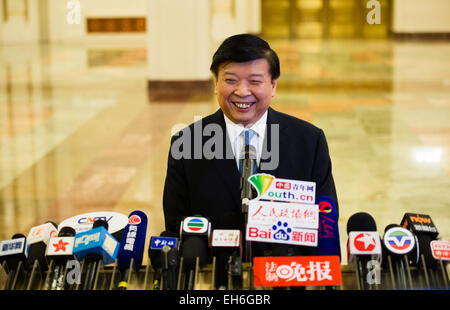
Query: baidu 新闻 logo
pixel 282 231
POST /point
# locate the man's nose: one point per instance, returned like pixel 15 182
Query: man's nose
pixel 242 90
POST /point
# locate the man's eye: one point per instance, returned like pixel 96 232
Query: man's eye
pixel 230 81
pixel 255 82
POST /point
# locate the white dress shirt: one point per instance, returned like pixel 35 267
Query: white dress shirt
pixel 237 138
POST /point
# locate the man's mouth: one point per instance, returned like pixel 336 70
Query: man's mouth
pixel 243 105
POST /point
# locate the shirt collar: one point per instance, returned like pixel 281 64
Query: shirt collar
pixel 234 130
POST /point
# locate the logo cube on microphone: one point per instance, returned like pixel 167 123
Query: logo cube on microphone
pixel 13 246
pixel 399 240
pixel 60 246
pixel 97 241
pixel 363 243
pixel 196 225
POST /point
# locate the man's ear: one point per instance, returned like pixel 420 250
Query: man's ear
pixel 215 85
pixel 274 87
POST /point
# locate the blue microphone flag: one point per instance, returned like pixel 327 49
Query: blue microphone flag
pixel 133 241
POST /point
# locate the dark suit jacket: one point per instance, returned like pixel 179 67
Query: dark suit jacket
pixel 211 187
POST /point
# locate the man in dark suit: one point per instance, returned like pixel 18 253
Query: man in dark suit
pixel 203 175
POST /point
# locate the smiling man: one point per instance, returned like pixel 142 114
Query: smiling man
pixel 246 71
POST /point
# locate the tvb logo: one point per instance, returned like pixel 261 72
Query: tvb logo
pixel 373 272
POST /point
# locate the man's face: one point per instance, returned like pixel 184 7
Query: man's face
pixel 244 90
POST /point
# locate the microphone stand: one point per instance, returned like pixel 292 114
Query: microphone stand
pixel 248 244
pixel 248 168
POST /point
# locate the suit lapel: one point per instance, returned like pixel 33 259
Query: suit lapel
pixel 227 168
pixel 271 137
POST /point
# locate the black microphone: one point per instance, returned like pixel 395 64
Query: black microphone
pixel 170 262
pixel 193 249
pixel 364 248
pixel 226 247
pixel 248 164
pixel 13 252
pixel 60 250
pixel 37 239
pixel 195 232
pixel 398 242
pixel 228 250
pixel 425 231
pixel 166 238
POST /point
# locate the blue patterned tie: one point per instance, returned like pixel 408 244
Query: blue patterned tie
pixel 248 135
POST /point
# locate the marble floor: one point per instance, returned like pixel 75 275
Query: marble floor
pixel 79 132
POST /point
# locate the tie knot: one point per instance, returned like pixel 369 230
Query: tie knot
pixel 248 135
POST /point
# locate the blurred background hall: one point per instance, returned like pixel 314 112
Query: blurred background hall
pixel 91 90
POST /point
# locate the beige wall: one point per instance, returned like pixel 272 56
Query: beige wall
pixel 47 20
pixel 22 22
pixel 419 16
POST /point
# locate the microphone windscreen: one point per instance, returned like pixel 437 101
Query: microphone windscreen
pixel 66 231
pixel 17 236
pixel 390 226
pixel 100 223
pixel 191 248
pixel 169 234
pixel 133 241
pixel 361 221
pixel 424 245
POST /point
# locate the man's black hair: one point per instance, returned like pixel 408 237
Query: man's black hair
pixel 243 48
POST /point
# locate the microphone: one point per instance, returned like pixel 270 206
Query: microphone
pixel 60 250
pixel 170 262
pixel 95 246
pixel 229 222
pixel 37 239
pixel 398 242
pixel 248 164
pixel 227 248
pixel 328 242
pixel 363 247
pixel 195 232
pixel 193 249
pixel 13 252
pixel 425 231
pixel 132 246
pixel 155 254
